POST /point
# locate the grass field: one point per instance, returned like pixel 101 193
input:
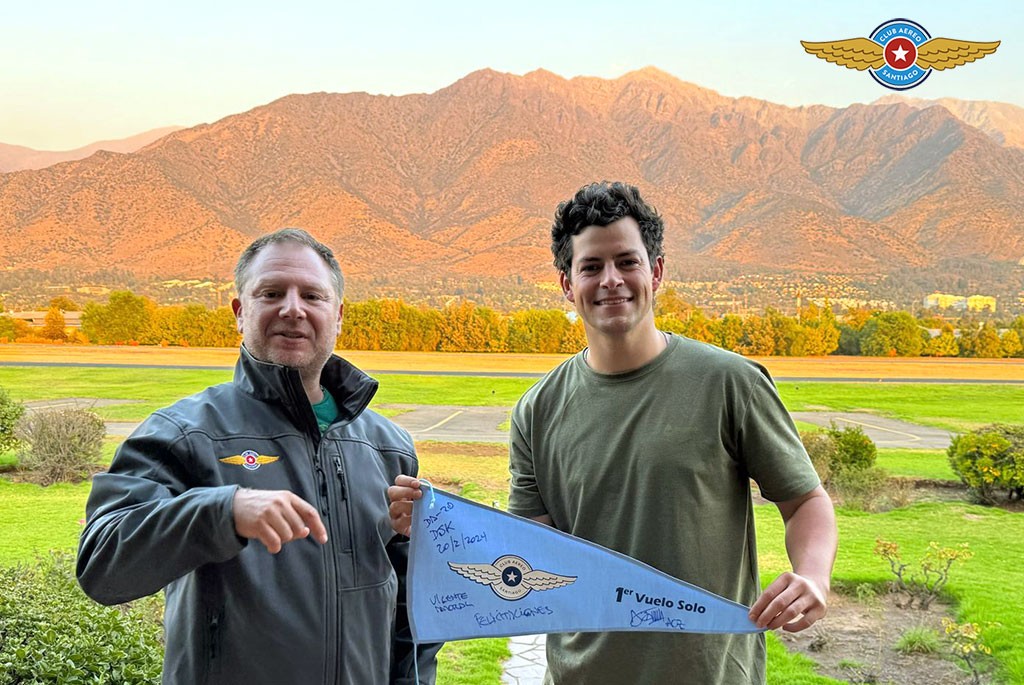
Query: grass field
pixel 950 406
pixel 924 464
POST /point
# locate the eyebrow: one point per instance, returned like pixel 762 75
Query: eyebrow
pixel 627 253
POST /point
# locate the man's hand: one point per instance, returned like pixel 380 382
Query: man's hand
pixel 402 493
pixel 275 517
pixel 791 602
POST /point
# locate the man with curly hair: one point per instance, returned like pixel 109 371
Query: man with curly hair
pixel 646 442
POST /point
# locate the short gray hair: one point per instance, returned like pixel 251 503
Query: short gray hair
pixel 289 235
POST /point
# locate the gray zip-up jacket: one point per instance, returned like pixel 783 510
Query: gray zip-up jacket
pixel 162 518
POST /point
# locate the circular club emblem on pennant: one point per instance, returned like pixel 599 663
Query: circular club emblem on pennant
pixel 900 39
pixel 250 460
pixel 512 569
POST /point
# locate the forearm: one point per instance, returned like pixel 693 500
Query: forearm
pixel 812 539
pixel 133 547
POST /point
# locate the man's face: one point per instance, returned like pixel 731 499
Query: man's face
pixel 612 281
pixel 289 313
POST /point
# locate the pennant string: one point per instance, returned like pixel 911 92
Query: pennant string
pixel 424 481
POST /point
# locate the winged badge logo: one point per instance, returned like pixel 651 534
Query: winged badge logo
pixel 900 53
pixel 249 459
pixel 511 577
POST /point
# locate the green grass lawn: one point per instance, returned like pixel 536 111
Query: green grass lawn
pixel 930 464
pixel 987 588
pixel 955 407
pixel 950 406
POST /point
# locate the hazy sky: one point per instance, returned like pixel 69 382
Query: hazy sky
pixel 72 73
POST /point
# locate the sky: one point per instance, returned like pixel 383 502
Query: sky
pixel 73 73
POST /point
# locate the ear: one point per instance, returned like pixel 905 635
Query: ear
pixel 566 284
pixel 657 272
pixel 341 314
pixel 236 307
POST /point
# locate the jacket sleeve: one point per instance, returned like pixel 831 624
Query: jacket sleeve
pixel 402 668
pixel 145 525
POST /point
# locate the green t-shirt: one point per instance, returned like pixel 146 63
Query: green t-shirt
pixel 656 463
pixel 326 410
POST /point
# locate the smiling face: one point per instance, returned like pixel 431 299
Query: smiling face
pixel 612 280
pixel 289 313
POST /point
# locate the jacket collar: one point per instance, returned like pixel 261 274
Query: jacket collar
pixel 351 388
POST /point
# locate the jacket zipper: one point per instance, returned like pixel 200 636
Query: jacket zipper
pixel 340 470
pixel 325 507
pixel 214 636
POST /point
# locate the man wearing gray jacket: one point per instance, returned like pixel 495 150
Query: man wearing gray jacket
pixel 260 504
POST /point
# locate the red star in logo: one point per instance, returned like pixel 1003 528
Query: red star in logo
pixel 900 53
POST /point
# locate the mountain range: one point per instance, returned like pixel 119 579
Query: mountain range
pixel 462 183
pixel 18 157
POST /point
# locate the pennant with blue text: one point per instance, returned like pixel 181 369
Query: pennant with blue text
pixel 476 572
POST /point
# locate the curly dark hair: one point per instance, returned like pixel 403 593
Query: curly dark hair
pixel 600 204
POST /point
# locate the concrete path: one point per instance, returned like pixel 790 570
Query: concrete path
pixel 882 431
pixel 450 423
pixel 528 662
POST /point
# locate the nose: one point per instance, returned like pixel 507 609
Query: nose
pixel 292 306
pixel 610 277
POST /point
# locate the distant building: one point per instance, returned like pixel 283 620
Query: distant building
pixel 38 319
pixel 980 303
pixel 974 303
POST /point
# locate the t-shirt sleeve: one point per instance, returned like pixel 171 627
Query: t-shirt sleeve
pixel 524 496
pixel 770 444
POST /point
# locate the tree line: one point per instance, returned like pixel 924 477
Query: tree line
pixel 462 326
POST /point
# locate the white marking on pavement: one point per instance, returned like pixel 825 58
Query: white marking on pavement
pixel 879 428
pixel 441 422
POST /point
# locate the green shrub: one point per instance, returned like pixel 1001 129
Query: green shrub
pixel 60 445
pixel 854 449
pixel 861 489
pixel 821 448
pixel 919 640
pixel 50 632
pixel 990 461
pixel 10 412
pixel 924 582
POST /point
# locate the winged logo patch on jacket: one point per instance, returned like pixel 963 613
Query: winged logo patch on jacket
pixel 249 459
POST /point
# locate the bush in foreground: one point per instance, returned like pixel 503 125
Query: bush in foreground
pixel 990 461
pixel 60 445
pixel 50 632
pixel 844 459
pixel 10 411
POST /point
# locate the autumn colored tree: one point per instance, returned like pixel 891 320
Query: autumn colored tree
pixel 944 344
pixel 758 338
pixel 729 332
pixel 574 339
pixel 11 329
pixel 819 332
pixel 54 326
pixel 465 327
pixel 124 318
pixel 65 304
pixel 1011 344
pixel 537 330
pixel 892 334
